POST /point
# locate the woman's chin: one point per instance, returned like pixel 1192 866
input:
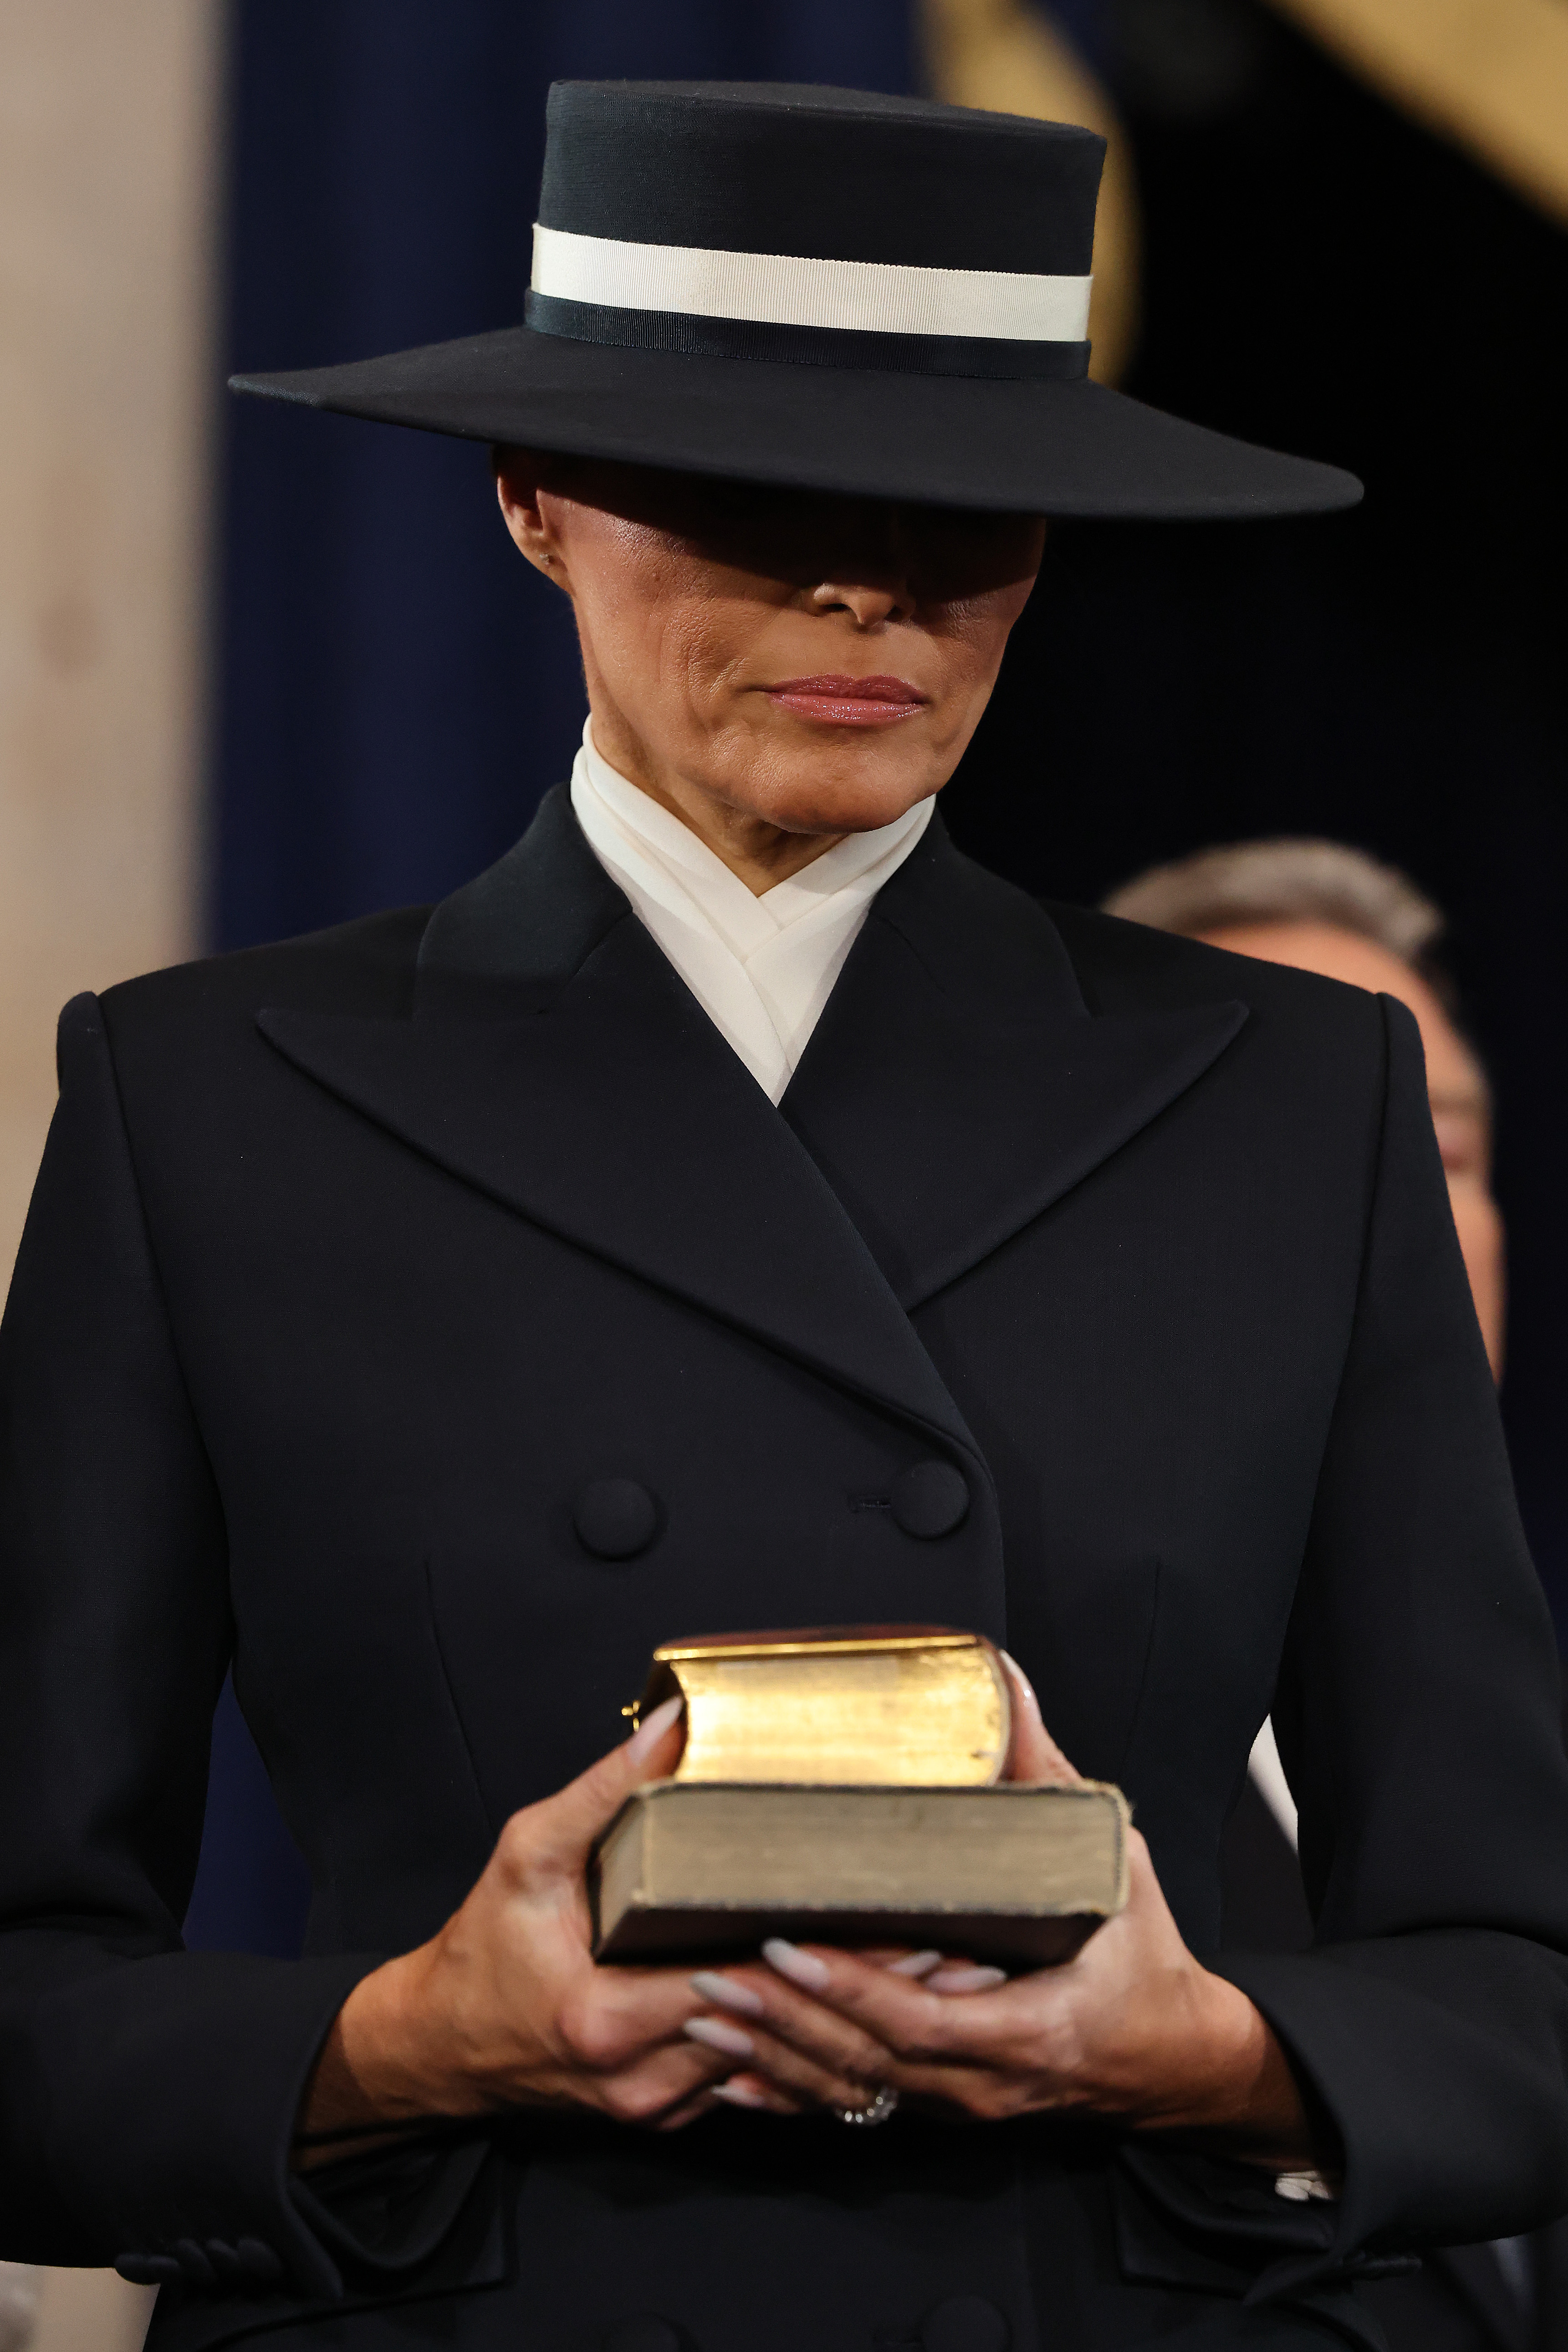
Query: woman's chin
pixel 839 790
pixel 840 812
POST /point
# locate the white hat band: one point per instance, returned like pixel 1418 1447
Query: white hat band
pixel 791 290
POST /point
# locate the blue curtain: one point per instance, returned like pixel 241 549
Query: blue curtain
pixel 396 689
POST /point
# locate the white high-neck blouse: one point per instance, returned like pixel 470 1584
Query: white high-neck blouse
pixel 762 968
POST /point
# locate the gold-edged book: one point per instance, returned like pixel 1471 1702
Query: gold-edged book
pixel 843 1785
pixel 912 1705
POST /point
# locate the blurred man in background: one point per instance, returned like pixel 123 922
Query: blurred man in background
pixel 1328 909
pixel 1324 907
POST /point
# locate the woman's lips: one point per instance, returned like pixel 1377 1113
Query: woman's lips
pixel 849 702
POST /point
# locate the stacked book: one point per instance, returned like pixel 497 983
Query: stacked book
pixel 848 1786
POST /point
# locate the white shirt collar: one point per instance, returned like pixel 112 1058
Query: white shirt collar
pixel 762 968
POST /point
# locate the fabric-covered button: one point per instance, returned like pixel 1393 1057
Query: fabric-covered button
pixel 965 2323
pixel 258 2262
pixel 148 2270
pixel 930 1498
pixel 645 2331
pixel 615 1518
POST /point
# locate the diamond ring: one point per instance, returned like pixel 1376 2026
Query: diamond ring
pixel 878 2112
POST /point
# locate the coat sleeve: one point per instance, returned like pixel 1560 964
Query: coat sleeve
pixel 147 2095
pixel 1418 1720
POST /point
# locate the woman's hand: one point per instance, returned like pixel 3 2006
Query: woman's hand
pixel 1132 2028
pixel 505 2008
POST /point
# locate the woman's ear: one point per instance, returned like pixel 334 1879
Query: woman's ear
pixel 520 488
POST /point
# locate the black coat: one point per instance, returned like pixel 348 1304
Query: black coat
pixel 355 1262
pixel 1463 2298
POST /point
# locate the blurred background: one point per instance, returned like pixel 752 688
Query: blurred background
pixel 261 670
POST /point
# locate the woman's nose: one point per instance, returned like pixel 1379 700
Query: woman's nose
pixel 869 603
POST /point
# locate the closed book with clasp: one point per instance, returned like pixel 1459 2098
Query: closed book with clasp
pixel 918 1705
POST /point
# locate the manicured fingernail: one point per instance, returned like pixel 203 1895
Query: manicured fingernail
pixel 914 1963
pixel 1025 1688
pixel 965 1979
pixel 727 1994
pixel 801 1967
pixel 739 2094
pixel 648 1735
pixel 714 2034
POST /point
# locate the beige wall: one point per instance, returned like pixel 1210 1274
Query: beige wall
pixel 106 204
pixel 106 371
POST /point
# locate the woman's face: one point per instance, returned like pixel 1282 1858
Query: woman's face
pixel 808 662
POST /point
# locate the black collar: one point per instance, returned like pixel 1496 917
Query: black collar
pixel 957 1085
pixel 955 1088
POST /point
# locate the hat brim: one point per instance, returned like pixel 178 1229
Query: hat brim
pixel 994 444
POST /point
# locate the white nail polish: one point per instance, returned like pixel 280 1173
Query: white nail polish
pixel 914 1963
pixel 648 1735
pixel 965 1979
pixel 802 1969
pixel 738 2094
pixel 728 1994
pixel 715 2035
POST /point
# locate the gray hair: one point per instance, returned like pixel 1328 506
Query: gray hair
pixel 1285 881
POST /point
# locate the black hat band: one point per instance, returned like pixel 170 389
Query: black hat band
pixel 825 313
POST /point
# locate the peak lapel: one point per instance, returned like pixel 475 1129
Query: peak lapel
pixel 557 1063
pixel 957 1085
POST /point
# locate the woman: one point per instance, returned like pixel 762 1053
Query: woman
pixel 735 1208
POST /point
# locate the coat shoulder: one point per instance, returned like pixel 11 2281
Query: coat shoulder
pixel 366 967
pixel 1124 967
pixel 1312 1056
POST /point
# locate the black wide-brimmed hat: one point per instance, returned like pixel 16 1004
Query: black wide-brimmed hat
pixel 825 288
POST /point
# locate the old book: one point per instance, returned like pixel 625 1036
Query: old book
pixel 910 1704
pixel 844 1784
pixel 1016 1875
